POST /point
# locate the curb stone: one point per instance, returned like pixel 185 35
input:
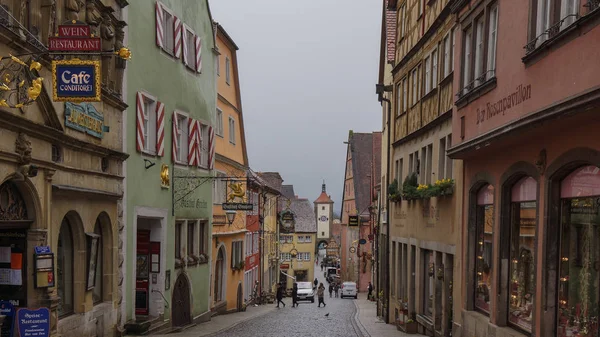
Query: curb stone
pixel 358 323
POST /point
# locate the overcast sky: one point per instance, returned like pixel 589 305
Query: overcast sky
pixel 307 71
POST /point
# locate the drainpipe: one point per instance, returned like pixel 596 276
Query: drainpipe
pixel 380 89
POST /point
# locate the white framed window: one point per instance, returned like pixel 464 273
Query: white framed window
pixel 479 33
pixel 219 126
pixel 415 86
pixel 308 239
pixel 189 47
pixel 399 99
pixel 183 141
pixel 237 253
pixel 227 70
pixel 434 68
pixel 219 188
pixel 492 41
pixel 403 23
pixel 446 56
pixel 248 244
pixel 203 145
pixel 203 237
pixel 427 74
pixel 149 123
pixel 167 28
pixel 468 39
pixel 568 12
pixel 218 61
pixel 453 37
pixel 285 256
pixel 231 130
pixel 405 94
pixel 300 238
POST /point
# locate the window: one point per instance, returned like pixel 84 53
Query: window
pixel 423 168
pixel 400 172
pixel 403 18
pixel 452 52
pixel 149 124
pixel 404 94
pixel 191 238
pixel 255 243
pixel 444 162
pixel 420 7
pixel 203 145
pixel 434 68
pixel 479 49
pixel 394 271
pixel 231 130
pixel 178 238
pixel 410 164
pixel 303 256
pixel 237 253
pixel 219 188
pixel 300 238
pixel 447 55
pixel 285 256
pixel 415 86
pixel 218 65
pixel 182 141
pixel 547 13
pixel 167 28
pixel 189 47
pixel 484 231
pixel 227 70
pixel 248 244
pixel 429 282
pixel 479 34
pixel 308 239
pixel 466 63
pixel 521 278
pixel 322 208
pixel 65 269
pixel 219 128
pixel 203 237
pixel 398 99
pixel 428 172
pixel 492 41
pixel 98 285
pixel 578 271
pixel 427 74
pixel 322 233
pixel 56 153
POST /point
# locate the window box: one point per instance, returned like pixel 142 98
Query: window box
pixel 394 194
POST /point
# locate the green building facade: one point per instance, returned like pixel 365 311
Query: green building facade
pixel 171 92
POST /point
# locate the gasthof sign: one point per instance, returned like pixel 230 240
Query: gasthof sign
pixel 76 80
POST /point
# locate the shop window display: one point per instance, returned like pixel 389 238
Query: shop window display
pixel 429 269
pixel 579 264
pixel 522 251
pixel 484 230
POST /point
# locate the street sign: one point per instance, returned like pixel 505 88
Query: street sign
pixel 362 241
pixel 42 249
pixel 237 207
pixel 76 80
pixel 74 37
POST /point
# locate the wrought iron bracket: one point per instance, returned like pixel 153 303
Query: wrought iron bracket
pixel 197 181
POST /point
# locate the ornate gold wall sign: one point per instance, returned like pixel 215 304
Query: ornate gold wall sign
pixel 164 176
pixel 76 81
pixel 85 118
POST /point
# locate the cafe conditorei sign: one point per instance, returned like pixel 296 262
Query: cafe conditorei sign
pixel 76 81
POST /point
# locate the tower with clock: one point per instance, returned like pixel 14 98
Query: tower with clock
pixel 324 214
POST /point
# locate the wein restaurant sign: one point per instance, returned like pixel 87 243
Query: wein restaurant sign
pixel 74 37
pixel 500 107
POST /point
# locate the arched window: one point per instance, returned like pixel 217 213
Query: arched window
pixel 484 232
pixel 579 264
pixel 219 275
pixel 65 269
pixel 97 293
pixel 521 280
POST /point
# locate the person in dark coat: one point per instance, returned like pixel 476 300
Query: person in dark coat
pixel 370 290
pixel 321 295
pixel 315 283
pixel 280 295
pixel 295 295
pixel 330 290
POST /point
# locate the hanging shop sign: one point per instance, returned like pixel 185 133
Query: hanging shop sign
pixel 353 220
pixel 33 323
pixel 74 37
pixel 76 81
pixel 284 266
pixel 287 220
pixel 85 118
pixel 228 206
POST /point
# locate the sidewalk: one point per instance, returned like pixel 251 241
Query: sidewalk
pixel 370 324
pixel 222 322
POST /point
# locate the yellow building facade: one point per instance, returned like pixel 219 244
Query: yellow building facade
pixel 297 242
pixel 231 166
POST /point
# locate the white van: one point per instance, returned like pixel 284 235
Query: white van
pixel 349 290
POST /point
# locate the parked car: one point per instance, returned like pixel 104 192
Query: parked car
pixel 306 292
pixel 349 290
pixel 329 271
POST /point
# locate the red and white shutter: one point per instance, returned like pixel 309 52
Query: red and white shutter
pixel 159 25
pixel 211 148
pixel 198 46
pixel 175 153
pixel 139 125
pixel 177 27
pixel 192 150
pixel 160 129
pixel 199 141
pixel 184 33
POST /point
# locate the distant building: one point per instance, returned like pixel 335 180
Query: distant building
pixel 324 215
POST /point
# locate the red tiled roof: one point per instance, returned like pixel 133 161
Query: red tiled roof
pixel 390 28
pixel 323 198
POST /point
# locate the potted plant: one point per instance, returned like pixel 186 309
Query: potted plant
pixel 409 187
pixel 411 326
pixel 393 192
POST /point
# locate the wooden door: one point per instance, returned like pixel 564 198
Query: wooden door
pixel 181 314
pixel 240 297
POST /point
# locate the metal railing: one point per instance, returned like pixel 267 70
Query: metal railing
pixel 550 33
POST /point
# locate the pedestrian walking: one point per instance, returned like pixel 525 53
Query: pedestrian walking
pixel 295 295
pixel 321 295
pixel 330 290
pixel 336 289
pixel 315 283
pixel 280 295
pixel 370 289
pixel 321 266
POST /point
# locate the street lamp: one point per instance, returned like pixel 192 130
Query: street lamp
pixel 230 216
